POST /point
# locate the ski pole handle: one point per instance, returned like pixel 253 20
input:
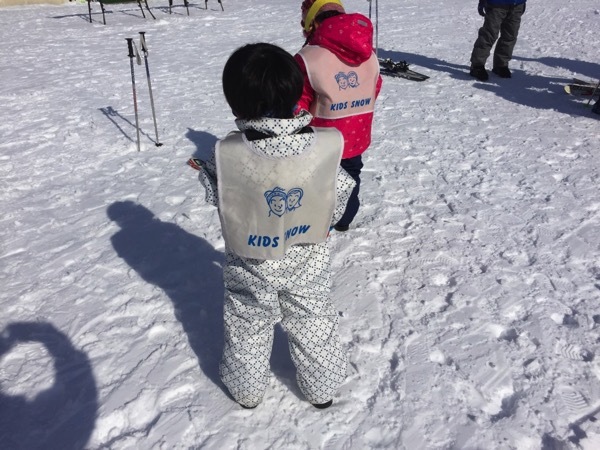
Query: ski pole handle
pixel 143 41
pixel 130 47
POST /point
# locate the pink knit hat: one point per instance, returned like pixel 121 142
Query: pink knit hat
pixel 311 8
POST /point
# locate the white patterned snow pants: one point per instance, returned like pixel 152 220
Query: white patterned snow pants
pixel 294 291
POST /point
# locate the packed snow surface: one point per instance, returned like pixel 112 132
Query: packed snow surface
pixel 468 288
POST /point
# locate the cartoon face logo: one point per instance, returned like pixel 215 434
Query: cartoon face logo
pixel 280 201
pixel 342 80
pixel 353 79
pixel 347 80
pixel 277 201
pixel 294 196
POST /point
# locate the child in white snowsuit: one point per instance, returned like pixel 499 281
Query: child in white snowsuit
pixel 279 189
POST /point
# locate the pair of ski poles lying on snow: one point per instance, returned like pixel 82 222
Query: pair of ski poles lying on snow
pixel 134 53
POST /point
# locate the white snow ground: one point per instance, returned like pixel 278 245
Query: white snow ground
pixel 468 289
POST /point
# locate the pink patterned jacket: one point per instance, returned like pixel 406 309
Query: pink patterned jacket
pixel 341 79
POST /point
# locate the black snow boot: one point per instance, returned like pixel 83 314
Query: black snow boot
pixel 479 72
pixel 502 72
pixel 323 405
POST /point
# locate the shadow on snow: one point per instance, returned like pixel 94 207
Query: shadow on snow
pixel 186 267
pixel 525 89
pixel 189 270
pixel 60 417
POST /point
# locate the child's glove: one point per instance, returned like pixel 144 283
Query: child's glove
pixel 194 163
pixel 481 8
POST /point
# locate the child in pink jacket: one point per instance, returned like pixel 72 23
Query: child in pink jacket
pixel 341 82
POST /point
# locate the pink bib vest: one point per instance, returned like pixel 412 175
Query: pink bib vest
pixel 341 90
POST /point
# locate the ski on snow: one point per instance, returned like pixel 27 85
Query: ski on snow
pixel 399 69
pixel 582 88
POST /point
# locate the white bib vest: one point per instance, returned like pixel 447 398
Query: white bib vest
pixel 341 90
pixel 268 203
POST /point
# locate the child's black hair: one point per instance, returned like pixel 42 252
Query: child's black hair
pixel 326 15
pixel 262 80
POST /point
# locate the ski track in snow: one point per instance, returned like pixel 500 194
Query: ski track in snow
pixel 467 290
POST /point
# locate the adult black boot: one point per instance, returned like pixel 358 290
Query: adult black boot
pixel 502 72
pixel 479 72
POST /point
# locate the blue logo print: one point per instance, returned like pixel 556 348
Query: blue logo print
pixel 280 201
pixel 347 80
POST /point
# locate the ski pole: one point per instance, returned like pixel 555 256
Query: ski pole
pixel 103 15
pixel 376 22
pixel 139 2
pixel 376 26
pixel 148 8
pixel 220 3
pixel 137 124
pixel 145 51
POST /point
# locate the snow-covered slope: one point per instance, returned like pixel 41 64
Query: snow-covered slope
pixel 468 289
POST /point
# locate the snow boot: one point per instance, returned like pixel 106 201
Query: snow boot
pixel 323 405
pixel 479 72
pixel 502 72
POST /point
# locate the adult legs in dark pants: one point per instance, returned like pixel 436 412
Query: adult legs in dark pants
pixel 353 166
pixel 503 21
